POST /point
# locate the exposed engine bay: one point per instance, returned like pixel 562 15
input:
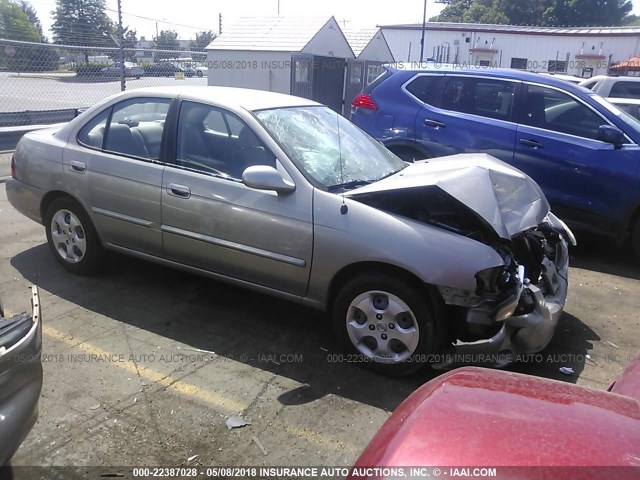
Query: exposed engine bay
pixel 513 306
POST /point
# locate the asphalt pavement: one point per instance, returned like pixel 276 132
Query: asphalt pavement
pixel 19 92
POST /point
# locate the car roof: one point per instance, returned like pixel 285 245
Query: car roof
pixel 505 73
pixel 612 77
pixel 226 97
pixel 623 100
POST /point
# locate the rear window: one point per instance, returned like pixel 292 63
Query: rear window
pixel 386 74
pixel 625 90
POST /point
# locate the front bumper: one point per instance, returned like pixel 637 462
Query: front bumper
pixel 528 333
pixel 20 380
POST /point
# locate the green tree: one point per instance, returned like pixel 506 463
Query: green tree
pixel 584 13
pixel 31 14
pixel 203 39
pixel 83 22
pixel 130 43
pixel 537 12
pixel 166 40
pixel 16 25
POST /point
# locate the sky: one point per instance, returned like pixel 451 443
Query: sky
pixel 190 16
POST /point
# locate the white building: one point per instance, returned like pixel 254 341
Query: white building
pixel 576 51
pixel 304 56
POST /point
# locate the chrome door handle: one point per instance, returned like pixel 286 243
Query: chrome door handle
pixel 434 123
pixel 178 190
pixel 531 143
pixel 79 167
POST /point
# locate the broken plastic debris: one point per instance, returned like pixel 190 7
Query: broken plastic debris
pixel 566 370
pixel 236 422
pixel 260 446
pixel 197 350
pixel 95 407
pixel 193 457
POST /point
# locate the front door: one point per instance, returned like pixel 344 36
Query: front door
pixel 588 182
pixel 212 221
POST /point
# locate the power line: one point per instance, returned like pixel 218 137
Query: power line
pixel 159 21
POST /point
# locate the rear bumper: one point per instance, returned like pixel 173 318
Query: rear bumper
pixel 524 334
pixel 25 198
pixel 20 385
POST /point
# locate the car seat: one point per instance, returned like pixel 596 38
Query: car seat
pixel 121 139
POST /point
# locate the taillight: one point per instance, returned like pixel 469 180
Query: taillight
pixel 364 100
pixel 13 166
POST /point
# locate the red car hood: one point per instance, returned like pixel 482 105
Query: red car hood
pixel 479 417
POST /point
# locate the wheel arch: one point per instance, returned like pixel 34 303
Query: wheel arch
pixel 408 146
pixel 348 272
pixel 54 195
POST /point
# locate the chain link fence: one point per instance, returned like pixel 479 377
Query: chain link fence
pixel 43 83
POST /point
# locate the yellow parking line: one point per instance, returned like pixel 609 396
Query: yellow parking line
pixel 154 376
pixel 187 389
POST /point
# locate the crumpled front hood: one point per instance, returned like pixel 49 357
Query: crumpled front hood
pixel 507 199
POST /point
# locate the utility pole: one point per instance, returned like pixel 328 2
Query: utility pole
pixel 278 7
pixel 121 45
pixel 220 24
pixel 424 28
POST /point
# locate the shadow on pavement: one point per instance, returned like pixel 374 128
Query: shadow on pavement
pixel 568 349
pixel 602 254
pixel 252 328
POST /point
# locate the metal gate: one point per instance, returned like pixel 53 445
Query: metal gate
pixel 302 75
pixel 354 83
pixel 328 81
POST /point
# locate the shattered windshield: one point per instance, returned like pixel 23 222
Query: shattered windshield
pixel 328 147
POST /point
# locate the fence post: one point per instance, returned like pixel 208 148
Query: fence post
pixel 121 45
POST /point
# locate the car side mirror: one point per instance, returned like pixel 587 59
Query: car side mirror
pixel 264 177
pixel 611 135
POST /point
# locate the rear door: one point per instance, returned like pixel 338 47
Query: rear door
pixel 588 182
pixel 212 221
pixel 115 169
pixel 472 114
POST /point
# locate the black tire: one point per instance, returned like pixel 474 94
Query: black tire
pixel 409 154
pixel 90 260
pixel 423 306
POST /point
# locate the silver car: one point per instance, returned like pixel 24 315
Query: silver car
pixel 282 195
pixel 20 376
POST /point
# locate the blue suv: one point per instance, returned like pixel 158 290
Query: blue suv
pixel 581 150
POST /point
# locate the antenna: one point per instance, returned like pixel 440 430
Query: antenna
pixel 343 209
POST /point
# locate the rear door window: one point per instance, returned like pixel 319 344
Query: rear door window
pixel 425 88
pixel 136 127
pixel 486 97
pixel 92 134
pixel 624 89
